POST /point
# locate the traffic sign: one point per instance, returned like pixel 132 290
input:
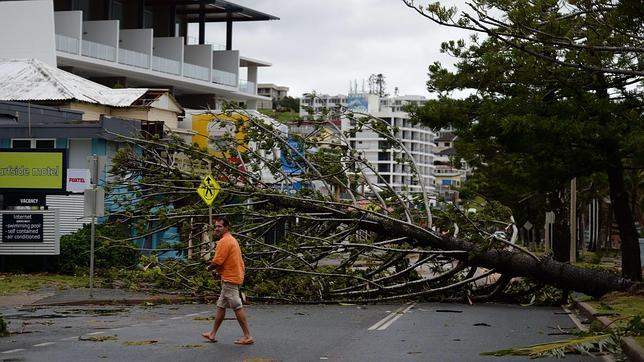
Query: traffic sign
pixel 208 189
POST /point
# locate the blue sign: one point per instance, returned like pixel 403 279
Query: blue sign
pixel 292 164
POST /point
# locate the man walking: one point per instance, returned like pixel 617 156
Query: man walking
pixel 229 265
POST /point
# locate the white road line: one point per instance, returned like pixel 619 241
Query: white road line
pixel 94 333
pixel 204 312
pixel 159 321
pixel 116 329
pixel 390 316
pixel 392 320
pixel 44 344
pixel 69 338
pixel 192 314
pixel 176 318
pixel 138 325
pixel 13 350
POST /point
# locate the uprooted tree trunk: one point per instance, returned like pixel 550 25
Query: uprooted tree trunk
pixel 508 263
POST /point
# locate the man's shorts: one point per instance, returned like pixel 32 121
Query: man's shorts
pixel 229 297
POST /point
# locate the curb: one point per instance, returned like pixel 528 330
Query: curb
pixel 631 348
pixel 121 301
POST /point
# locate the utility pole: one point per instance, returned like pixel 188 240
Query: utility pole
pixel 573 220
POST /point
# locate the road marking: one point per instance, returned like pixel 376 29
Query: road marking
pixel 116 329
pixel 69 338
pixel 13 350
pixel 159 321
pixel 44 344
pixel 192 314
pixel 389 319
pixel 176 318
pixel 94 333
pixel 138 325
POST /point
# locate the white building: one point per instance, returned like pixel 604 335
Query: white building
pixel 135 43
pixel 272 91
pixel 383 155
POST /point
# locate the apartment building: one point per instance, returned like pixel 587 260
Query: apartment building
pixel 383 155
pixel 272 91
pixel 138 43
pixel 449 171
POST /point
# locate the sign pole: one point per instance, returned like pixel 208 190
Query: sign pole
pixel 93 230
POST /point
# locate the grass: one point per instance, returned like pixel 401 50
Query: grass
pixel 620 308
pixel 282 117
pixel 20 283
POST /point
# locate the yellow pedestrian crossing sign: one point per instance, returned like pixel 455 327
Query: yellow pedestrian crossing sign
pixel 208 189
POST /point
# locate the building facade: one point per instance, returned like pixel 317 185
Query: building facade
pixel 135 43
pixel 272 91
pixel 384 156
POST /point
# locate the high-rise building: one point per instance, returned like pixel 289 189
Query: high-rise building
pixel 384 155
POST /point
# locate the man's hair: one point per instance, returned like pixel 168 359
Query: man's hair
pixel 223 220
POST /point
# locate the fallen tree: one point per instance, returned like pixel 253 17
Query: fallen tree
pixel 348 239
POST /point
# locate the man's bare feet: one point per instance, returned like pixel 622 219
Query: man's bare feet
pixel 245 340
pixel 209 337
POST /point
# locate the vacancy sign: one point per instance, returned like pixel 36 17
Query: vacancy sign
pixel 208 189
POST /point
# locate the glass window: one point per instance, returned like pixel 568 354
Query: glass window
pixel 20 143
pixel 45 144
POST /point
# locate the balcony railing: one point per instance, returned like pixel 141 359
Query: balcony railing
pixel 66 44
pixel 223 77
pixel 247 86
pixel 134 58
pixel 141 60
pixel 192 40
pixel 166 65
pixel 98 51
pixel 195 71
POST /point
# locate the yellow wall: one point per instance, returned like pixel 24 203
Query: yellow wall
pixel 203 136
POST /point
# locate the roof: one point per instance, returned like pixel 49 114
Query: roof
pixel 447 152
pixel 32 80
pixel 214 10
pixel 449 136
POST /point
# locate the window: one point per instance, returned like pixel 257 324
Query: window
pixel 33 143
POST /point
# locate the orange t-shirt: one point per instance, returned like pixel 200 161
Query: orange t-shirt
pixel 228 260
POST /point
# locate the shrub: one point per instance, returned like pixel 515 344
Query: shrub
pixel 109 250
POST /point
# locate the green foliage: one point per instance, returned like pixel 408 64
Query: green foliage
pixel 281 116
pixel 584 345
pixel 4 330
pixel 110 250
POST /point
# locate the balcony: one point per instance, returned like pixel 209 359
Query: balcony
pixel 79 41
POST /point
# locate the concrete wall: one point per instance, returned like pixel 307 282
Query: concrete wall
pixel 226 60
pixel 199 55
pixel 69 23
pixel 139 40
pixel 170 48
pixel 28 30
pixel 102 31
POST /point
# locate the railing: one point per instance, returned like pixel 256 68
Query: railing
pixel 67 44
pixel 223 77
pixel 195 71
pixel 134 58
pixel 97 50
pixel 166 65
pixel 247 86
pixel 193 40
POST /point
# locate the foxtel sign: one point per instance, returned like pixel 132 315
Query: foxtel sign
pixel 35 170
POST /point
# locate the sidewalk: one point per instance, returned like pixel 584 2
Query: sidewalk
pixel 100 296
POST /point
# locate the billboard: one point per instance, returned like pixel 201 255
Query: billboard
pixel 37 170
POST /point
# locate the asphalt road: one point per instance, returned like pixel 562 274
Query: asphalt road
pixel 402 332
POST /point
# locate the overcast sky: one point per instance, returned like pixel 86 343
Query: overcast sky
pixel 323 45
